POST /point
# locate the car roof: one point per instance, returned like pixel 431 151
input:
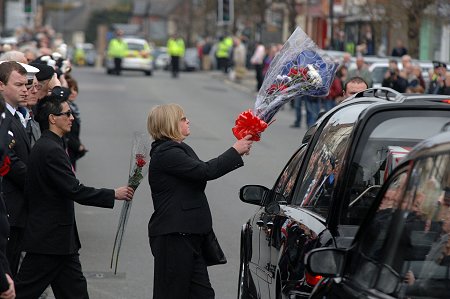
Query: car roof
pixel 135 40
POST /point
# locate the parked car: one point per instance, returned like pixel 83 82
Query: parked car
pixel 84 54
pixel 191 60
pixel 138 57
pixel 325 190
pixel 402 250
pixel 161 59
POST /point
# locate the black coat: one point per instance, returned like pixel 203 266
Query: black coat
pixel 51 189
pixel 177 180
pixel 4 224
pixel 13 182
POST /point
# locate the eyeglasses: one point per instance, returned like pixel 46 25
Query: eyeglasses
pixel 68 113
pixel 31 86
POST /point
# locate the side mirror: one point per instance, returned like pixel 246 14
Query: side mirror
pixel 253 194
pixel 328 262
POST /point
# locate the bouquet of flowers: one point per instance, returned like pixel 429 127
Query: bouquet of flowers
pixel 140 156
pixel 300 68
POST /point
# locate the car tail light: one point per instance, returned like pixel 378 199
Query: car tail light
pixel 446 101
pixel 312 280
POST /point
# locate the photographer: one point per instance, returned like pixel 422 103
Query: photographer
pixel 392 78
pixel 440 80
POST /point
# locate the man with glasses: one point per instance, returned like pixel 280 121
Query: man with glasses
pixel 51 240
pixel 13 81
pixel 32 127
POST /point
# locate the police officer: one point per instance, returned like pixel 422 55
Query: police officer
pixel 117 49
pixel 175 48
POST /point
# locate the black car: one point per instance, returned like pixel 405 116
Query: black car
pixel 327 187
pixel 402 249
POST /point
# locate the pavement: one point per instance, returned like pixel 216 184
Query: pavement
pixel 247 84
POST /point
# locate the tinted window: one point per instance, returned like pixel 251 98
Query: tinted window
pixel 326 159
pixel 135 46
pixel 387 140
pixel 409 234
pixel 285 184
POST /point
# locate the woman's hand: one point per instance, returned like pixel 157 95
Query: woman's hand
pixel 10 293
pixel 243 145
pixel 124 193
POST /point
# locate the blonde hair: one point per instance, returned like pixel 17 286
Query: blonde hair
pixel 163 122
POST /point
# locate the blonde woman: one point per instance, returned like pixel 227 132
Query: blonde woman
pixel 182 216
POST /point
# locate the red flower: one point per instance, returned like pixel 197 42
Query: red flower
pixel 293 72
pixel 249 124
pixel 140 162
pixel 4 169
pixel 275 88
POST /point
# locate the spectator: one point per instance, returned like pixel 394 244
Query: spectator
pixel 440 80
pixel 352 87
pixel 361 71
pixel 257 60
pixel 392 78
pixel 399 50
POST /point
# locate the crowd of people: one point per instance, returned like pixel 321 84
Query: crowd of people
pixel 40 243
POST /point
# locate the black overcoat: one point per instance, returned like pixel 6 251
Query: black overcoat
pixel 177 180
pixel 51 189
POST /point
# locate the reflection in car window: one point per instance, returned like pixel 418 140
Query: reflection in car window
pixel 380 150
pixel 415 243
pixel 375 236
pixel 284 186
pixel 325 161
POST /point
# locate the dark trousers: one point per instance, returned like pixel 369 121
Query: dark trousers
pixel 175 64
pixel 62 272
pixel 259 76
pixel 222 64
pixel 117 65
pixel 180 270
pixel 13 248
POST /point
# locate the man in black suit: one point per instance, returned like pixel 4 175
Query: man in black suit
pixel 51 239
pixel 13 80
pixel 6 283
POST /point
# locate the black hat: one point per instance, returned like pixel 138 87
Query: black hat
pixel 437 64
pixel 45 72
pixel 60 92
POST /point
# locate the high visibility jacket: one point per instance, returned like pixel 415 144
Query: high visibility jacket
pixel 117 48
pixel 175 47
pixel 223 48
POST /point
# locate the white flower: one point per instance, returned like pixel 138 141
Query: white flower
pixel 283 79
pixel 314 76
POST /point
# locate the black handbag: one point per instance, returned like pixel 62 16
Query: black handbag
pixel 211 251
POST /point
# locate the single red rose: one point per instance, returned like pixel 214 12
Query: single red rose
pixel 140 156
pixel 249 124
pixel 4 169
pixel 140 162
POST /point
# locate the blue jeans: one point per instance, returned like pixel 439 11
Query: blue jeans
pixel 312 105
pixel 298 111
pixel 328 104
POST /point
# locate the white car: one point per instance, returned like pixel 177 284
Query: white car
pixel 138 58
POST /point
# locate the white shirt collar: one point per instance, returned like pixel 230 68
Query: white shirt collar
pixel 10 108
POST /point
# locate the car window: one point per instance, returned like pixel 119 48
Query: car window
pixel 364 268
pixel 135 46
pixel 387 139
pixel 411 239
pixel 325 161
pixel 378 74
pixel 285 184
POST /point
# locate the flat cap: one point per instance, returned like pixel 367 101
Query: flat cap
pixel 437 64
pixel 45 72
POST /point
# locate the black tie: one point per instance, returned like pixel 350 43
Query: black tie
pixel 16 115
